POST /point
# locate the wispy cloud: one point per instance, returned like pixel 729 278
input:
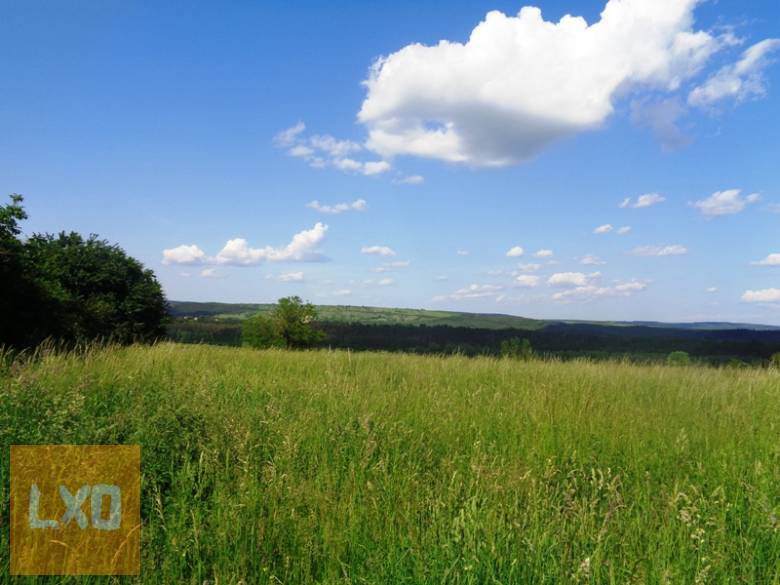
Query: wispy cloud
pixel 378 250
pixel 356 205
pixel 726 202
pixel 671 250
pixel 642 201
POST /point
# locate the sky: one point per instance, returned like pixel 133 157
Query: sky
pixel 583 160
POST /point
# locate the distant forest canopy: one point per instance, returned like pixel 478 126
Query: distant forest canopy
pixel 559 339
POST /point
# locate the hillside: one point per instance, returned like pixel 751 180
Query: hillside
pixel 393 316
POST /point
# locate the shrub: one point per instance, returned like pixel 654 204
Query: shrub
pixel 678 358
pixel 517 348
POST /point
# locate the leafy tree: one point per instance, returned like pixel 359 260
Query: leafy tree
pixel 73 289
pixel 291 324
pixel 774 361
pixel 261 332
pixel 517 348
pixel 678 358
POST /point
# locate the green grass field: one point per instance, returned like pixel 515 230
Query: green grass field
pixel 330 467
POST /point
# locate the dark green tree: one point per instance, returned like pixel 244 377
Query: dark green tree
pixel 774 361
pixel 678 358
pixel 99 291
pixel 290 324
pixel 517 348
pixel 261 332
pixel 72 289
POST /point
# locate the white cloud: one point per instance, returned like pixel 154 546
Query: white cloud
pixel 410 180
pixel 381 282
pixel 379 250
pixel 302 248
pixel 672 250
pixel 725 202
pixel 712 289
pixel 624 230
pixel 590 292
pixel 526 280
pixel 572 278
pixel 291 277
pixel 531 267
pixel 544 253
pixel 210 273
pixel 770 260
pixel 603 229
pixel 591 260
pixel 767 295
pixel 515 252
pixel 646 200
pixel 287 137
pixel 520 83
pixel 473 291
pixel 321 151
pixel 184 255
pixel 342 292
pixel 356 205
pixel 462 252
pixel 740 81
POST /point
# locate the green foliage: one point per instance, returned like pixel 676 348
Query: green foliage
pixel 73 289
pixel 517 348
pixel 334 467
pixel 261 332
pixel 736 363
pixel 290 324
pixel 678 358
pixel 774 361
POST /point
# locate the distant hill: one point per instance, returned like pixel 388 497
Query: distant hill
pixel 391 316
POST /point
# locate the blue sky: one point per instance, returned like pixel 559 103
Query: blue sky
pixel 165 127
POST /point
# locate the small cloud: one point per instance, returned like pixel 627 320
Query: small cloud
pixel 356 205
pixel 590 292
pixel 673 250
pixel 591 260
pixel 291 277
pixel 531 267
pixel 572 278
pixel 642 201
pixel 473 291
pixel 211 273
pixel 544 253
pixel 526 281
pixel 767 295
pixel 726 202
pixel 515 252
pixel 342 292
pixel 462 252
pixel 622 231
pixel 770 260
pixel 410 180
pixel 321 151
pixel 378 250
pixel 184 255
pixel 603 229
pixel 712 289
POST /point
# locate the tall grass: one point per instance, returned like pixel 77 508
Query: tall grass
pixel 331 467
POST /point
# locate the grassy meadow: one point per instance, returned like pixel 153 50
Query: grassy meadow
pixel 333 467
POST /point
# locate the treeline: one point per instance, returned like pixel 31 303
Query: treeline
pixel 72 289
pixel 563 341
